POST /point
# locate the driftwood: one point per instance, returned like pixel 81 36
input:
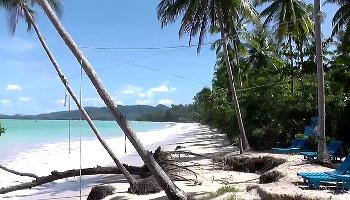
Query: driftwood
pixel 18 173
pixel 55 175
pixel 164 158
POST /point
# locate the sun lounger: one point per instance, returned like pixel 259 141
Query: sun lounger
pixel 340 176
pixel 333 149
pixel 295 147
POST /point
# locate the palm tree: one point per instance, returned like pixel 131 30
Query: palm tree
pixel 341 20
pixel 202 16
pixel 292 22
pixel 19 9
pixel 262 51
pixel 322 153
pixel 172 191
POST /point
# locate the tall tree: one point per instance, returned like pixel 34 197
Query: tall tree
pixel 19 9
pixel 292 22
pixel 202 16
pixel 172 191
pixel 341 20
pixel 322 153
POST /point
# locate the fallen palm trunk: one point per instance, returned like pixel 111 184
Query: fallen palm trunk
pixel 55 175
pixel 18 173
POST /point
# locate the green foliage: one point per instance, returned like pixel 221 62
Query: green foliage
pixel 2 130
pixel 273 112
pixel 177 113
pixel 14 9
pixel 292 17
pixel 221 191
pixel 200 17
pixel 264 138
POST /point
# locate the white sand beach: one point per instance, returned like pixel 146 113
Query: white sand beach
pixel 192 137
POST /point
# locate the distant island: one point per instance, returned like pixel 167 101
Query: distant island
pixel 159 113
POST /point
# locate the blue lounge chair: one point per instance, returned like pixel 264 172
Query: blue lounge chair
pixel 333 149
pixel 339 175
pixel 295 147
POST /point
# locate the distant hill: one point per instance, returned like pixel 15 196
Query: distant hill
pixel 133 112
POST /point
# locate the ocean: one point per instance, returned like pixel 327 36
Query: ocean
pixel 25 135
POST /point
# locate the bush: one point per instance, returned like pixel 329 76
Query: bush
pixel 270 177
pixel 100 192
pixel 251 165
pixel 2 130
pixel 264 138
pixel 145 186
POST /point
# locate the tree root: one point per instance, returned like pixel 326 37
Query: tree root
pixel 18 173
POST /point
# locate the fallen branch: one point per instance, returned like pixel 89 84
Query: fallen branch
pixel 188 153
pixel 55 175
pixel 18 173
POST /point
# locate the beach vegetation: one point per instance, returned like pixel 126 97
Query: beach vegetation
pixel 100 192
pixel 251 164
pixel 2 130
pixel 221 191
pixel 270 177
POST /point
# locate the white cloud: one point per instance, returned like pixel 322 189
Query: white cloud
pixel 144 102
pixel 13 88
pixel 131 90
pixel 167 102
pixel 6 102
pixel 60 102
pixel 142 95
pixel 160 89
pixel 25 99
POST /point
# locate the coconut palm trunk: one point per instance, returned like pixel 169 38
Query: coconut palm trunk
pixel 30 18
pixel 244 140
pixel 322 149
pixel 291 63
pixel 172 191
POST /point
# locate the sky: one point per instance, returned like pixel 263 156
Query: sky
pixel 29 84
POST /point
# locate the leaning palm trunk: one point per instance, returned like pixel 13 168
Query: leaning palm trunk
pixel 243 138
pixel 172 191
pixel 30 18
pixel 322 149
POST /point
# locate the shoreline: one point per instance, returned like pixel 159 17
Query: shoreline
pixel 55 156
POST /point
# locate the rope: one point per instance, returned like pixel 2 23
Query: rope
pixel 80 127
pixel 69 127
pixel 69 122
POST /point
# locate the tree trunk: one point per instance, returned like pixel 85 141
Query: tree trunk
pixel 55 175
pixel 291 63
pixel 322 149
pixel 244 139
pixel 127 175
pixel 172 191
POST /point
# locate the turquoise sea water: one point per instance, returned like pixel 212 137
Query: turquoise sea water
pixel 27 134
